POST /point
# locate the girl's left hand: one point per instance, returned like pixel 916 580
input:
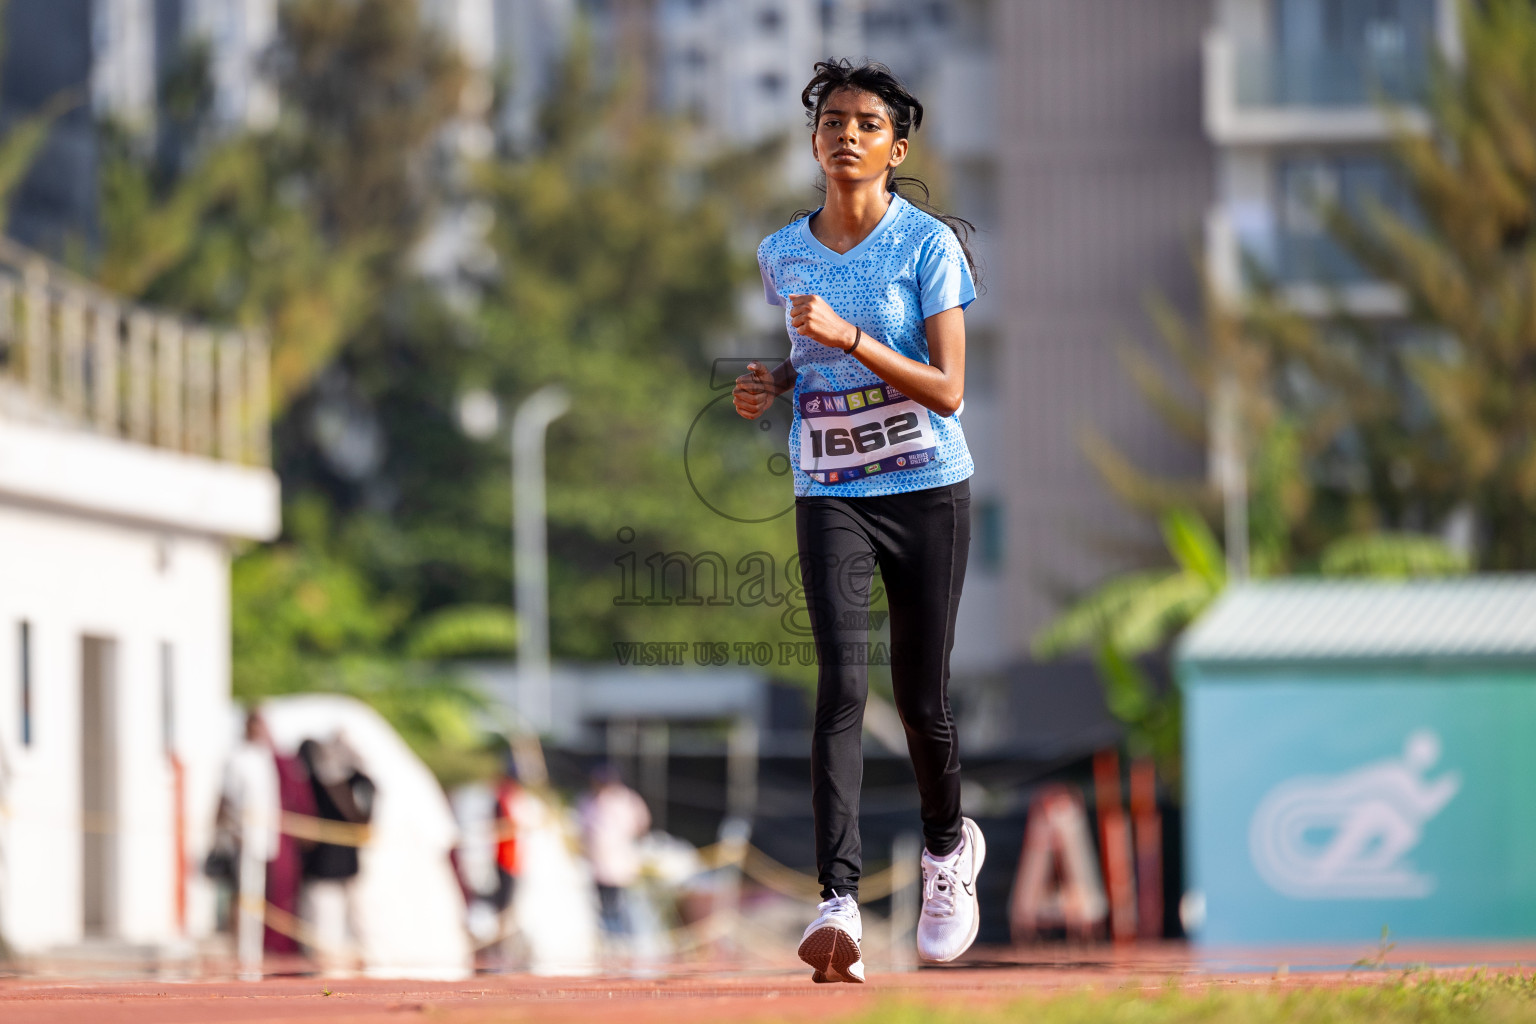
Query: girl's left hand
pixel 813 318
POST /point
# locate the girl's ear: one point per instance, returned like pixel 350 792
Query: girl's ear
pixel 898 152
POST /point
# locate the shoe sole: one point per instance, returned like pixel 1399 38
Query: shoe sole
pixel 831 952
pixel 978 857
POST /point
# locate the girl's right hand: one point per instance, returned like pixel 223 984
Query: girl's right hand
pixel 755 391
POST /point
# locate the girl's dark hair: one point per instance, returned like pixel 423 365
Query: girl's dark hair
pixel 906 114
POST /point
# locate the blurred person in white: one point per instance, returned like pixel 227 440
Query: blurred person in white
pixel 250 810
pixel 344 796
pixel 613 818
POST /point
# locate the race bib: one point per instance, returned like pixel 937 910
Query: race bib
pixel 847 435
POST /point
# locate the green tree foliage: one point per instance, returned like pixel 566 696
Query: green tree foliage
pixel 20 146
pixel 1277 430
pixel 1137 615
pixel 369 89
pixel 305 618
pixel 621 266
pixel 24 138
pixel 617 268
pixel 1284 437
pixel 232 243
pixel 302 229
pixel 305 229
pixel 1448 422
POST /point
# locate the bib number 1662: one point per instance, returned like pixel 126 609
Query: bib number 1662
pixel 866 437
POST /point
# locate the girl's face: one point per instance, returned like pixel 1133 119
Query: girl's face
pixel 854 139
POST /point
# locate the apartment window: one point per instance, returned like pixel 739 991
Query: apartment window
pixel 1358 25
pixel 771 82
pixel 1353 182
pixel 1344 51
pixel 24 659
pixel 769 19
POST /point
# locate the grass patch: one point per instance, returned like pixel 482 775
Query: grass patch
pixel 1412 998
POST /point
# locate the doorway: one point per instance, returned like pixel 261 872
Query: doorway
pixel 98 784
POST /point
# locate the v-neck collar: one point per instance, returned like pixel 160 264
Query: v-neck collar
pixel 892 211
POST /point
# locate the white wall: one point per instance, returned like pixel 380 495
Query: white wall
pixel 70 577
pixel 107 538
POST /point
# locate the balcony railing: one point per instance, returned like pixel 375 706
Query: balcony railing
pixel 1330 78
pixel 79 356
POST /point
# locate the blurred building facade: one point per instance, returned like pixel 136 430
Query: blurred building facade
pixel 1292 105
pixel 733 73
pixel 1070 134
pixel 1106 175
pixel 1144 145
pixel 132 453
pixel 109 60
pixel 1104 149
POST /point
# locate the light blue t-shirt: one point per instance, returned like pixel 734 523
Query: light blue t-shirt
pixel 908 268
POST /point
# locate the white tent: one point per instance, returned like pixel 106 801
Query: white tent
pixel 410 909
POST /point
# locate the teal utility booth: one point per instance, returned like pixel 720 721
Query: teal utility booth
pixel 1360 754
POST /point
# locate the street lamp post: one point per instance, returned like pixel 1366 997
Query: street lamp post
pixel 530 547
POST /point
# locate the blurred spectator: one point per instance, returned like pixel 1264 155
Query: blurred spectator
pixel 285 870
pixel 507 793
pixel 249 836
pixel 342 793
pixel 613 818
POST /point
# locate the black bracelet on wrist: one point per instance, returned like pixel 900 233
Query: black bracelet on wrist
pixel 858 336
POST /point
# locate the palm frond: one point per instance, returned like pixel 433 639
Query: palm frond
pixel 19 148
pixel 1092 618
pixel 1194 547
pixel 1127 690
pixel 1393 556
pixel 463 630
pixel 1155 614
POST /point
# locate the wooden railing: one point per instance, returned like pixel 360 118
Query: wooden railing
pixel 75 354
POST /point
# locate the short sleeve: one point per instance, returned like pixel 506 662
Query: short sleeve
pixel 944 274
pixel 770 292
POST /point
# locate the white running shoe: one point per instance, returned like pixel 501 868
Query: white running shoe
pixel 831 943
pixel 951 913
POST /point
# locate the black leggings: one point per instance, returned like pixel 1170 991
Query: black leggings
pixel 919 540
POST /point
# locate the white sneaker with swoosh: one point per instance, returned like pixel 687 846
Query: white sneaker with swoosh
pixel 951 913
pixel 831 943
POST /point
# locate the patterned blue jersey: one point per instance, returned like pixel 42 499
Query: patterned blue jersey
pixel 908 268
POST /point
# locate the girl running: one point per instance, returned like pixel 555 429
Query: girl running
pixel 874 291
